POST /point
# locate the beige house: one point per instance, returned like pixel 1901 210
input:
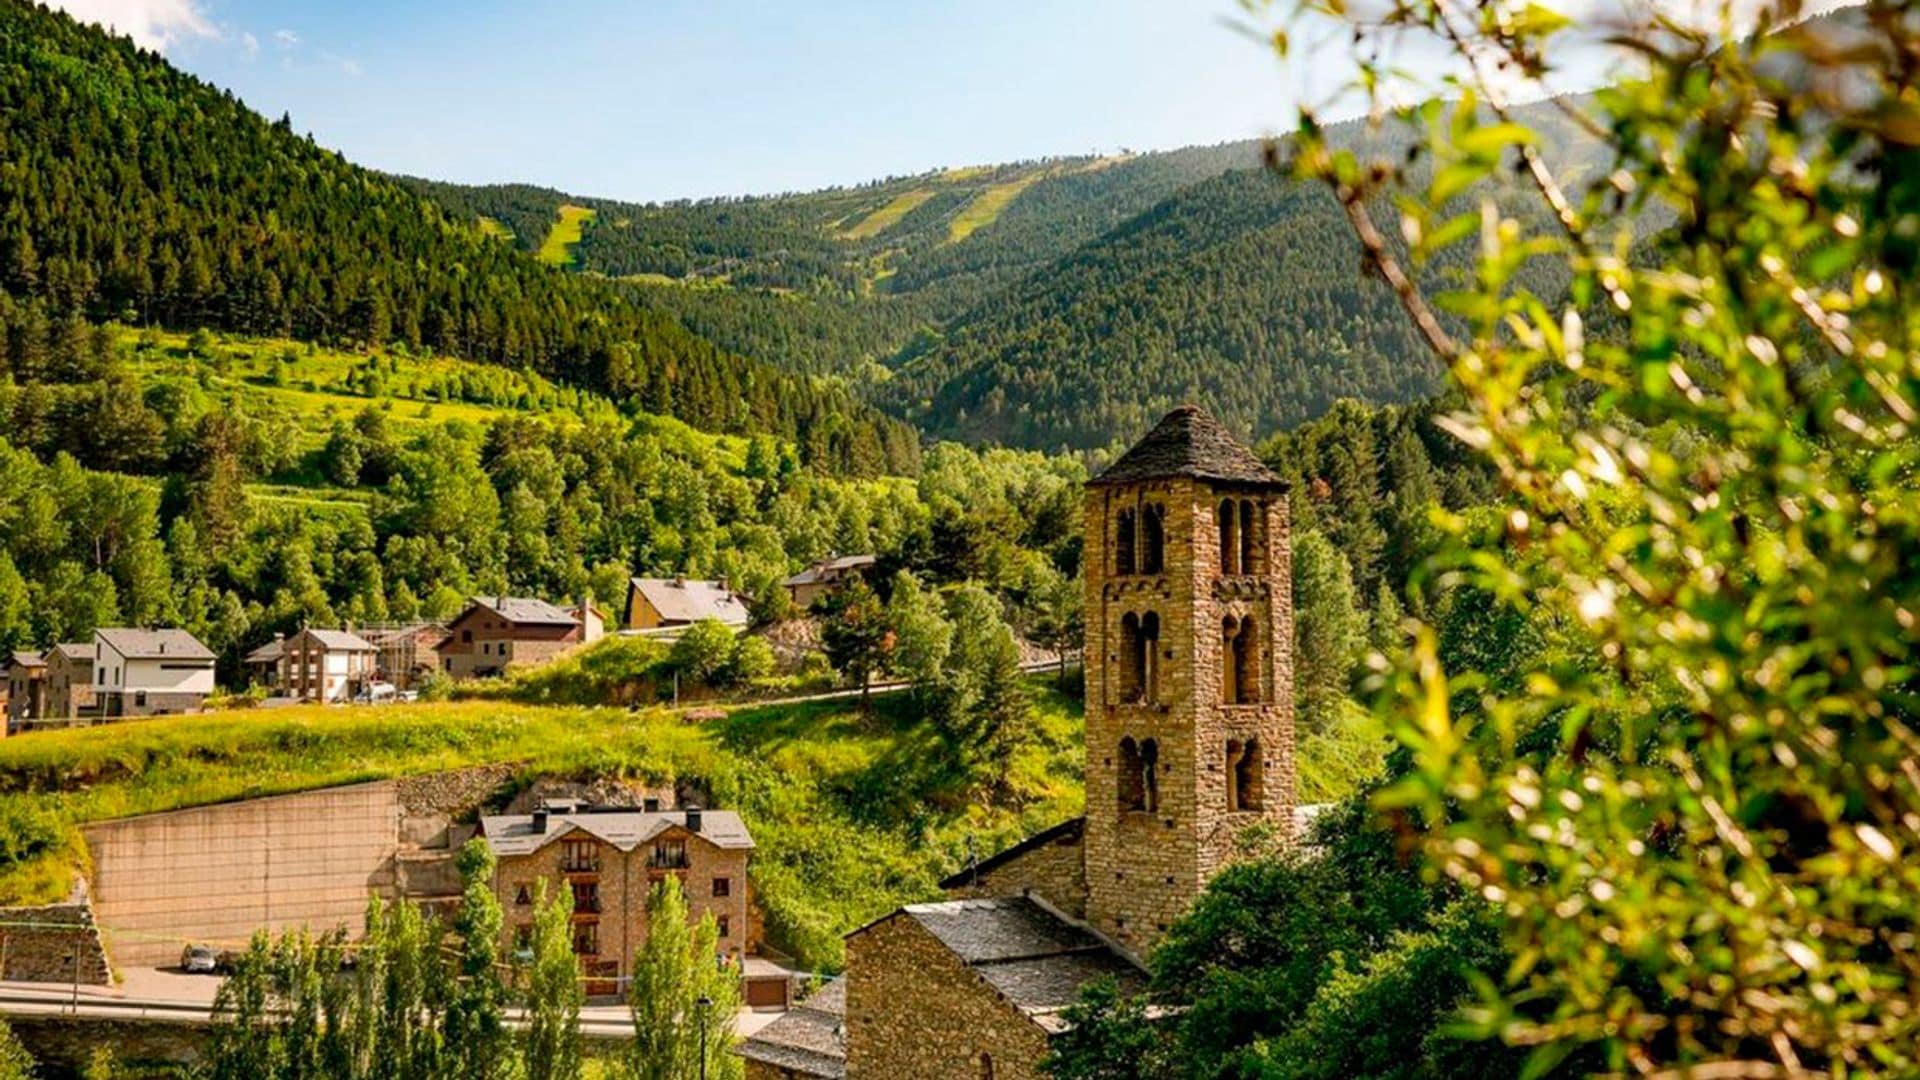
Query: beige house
pixel 821 579
pixel 610 858
pixel 659 603
pixel 70 690
pixel 496 633
pixel 326 665
pixel 1190 744
pixel 150 672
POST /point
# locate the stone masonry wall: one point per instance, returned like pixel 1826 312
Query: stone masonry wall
pixel 1144 868
pixel 623 881
pixel 1055 872
pixel 914 1010
pixel 43 944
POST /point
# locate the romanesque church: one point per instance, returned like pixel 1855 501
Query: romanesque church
pixel 1190 765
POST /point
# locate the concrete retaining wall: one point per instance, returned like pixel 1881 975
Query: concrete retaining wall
pixel 216 874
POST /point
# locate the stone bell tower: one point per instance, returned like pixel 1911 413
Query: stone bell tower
pixel 1189 662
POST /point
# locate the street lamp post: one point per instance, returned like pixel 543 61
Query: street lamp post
pixel 705 1005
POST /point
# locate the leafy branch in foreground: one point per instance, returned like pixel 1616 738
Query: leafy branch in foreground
pixel 1708 451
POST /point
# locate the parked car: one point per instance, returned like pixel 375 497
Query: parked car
pixel 200 960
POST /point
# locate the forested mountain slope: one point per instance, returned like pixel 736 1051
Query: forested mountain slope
pixel 1243 292
pixel 831 281
pixel 132 191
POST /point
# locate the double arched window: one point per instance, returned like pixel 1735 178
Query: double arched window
pixel 1140 540
pixel 1239 661
pixel 1239 532
pixel 1139 788
pixel 1139 658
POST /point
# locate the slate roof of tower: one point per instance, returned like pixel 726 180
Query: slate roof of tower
pixel 1188 443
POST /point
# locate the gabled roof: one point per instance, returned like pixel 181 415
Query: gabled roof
pixel 810 1039
pixel 525 611
pixel 831 569
pixel 1034 958
pixel 339 640
pixel 26 658
pixel 1070 828
pixel 1188 443
pixel 74 650
pixel 268 653
pixel 167 643
pixel 685 600
pixel 512 834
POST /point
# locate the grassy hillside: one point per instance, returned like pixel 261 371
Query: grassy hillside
pixel 852 815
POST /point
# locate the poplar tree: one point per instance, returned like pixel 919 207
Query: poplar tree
pixel 550 1046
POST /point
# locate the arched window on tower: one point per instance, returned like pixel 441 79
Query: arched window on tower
pixel 1229 542
pixel 1123 542
pixel 1244 775
pixel 1246 662
pixel 1133 660
pixel 1132 779
pixel 1153 539
pixel 1148 663
pixel 1150 774
pixel 1230 671
pixel 1247 564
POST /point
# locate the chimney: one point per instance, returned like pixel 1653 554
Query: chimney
pixel 651 806
pixel 540 821
pixel 278 637
pixel 693 819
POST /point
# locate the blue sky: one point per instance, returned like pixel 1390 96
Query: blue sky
pixel 655 99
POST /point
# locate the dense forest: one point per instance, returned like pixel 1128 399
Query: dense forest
pixel 130 191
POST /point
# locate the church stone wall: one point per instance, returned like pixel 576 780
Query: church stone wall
pixel 915 1010
pixel 1055 872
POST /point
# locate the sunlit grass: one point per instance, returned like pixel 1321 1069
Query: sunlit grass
pixel 557 248
pixel 889 215
pixel 987 206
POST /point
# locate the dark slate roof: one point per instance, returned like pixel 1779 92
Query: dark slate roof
pixel 166 643
pixel 1188 443
pixel 831 569
pixel 1072 827
pixel 1034 958
pixel 811 1039
pixel 26 658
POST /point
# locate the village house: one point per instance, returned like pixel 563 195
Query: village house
pixel 150 672
pixel 496 633
pixel 263 664
pixel 326 665
pixel 70 690
pixel 1190 763
pixel 611 858
pixel 26 688
pixel 825 577
pixel 409 652
pixel 665 603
